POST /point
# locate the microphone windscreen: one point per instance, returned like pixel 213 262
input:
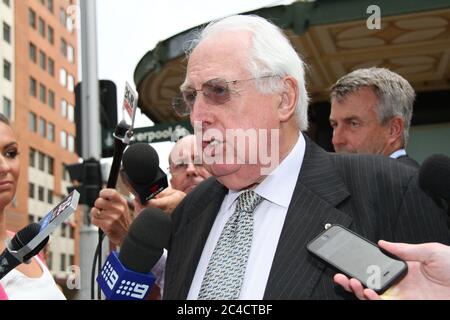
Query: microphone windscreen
pixel 140 163
pixel 24 236
pixel 434 176
pixel 148 235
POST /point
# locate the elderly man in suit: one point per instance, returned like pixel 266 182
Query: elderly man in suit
pixel 371 112
pixel 242 233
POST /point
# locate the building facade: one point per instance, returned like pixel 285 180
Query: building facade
pixel 44 60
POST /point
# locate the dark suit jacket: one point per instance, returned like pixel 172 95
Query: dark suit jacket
pixel 409 161
pixel 372 195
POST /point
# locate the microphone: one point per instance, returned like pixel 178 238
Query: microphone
pixel 18 251
pixel 434 176
pixel 127 276
pixel 141 171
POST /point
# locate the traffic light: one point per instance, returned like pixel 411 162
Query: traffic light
pixel 108 116
pixel 87 177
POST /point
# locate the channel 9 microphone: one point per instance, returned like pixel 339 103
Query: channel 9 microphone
pixel 142 173
pixel 434 177
pixel 16 251
pixel 127 276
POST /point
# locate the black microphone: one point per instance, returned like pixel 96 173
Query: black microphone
pixel 17 251
pixel 127 276
pixel 141 171
pixel 434 177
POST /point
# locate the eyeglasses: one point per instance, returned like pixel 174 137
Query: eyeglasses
pixel 216 92
pixel 181 167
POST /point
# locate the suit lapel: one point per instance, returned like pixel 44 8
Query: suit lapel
pixel 318 191
pixel 191 239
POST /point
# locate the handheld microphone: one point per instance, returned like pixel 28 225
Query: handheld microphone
pixel 127 276
pixel 17 250
pixel 434 176
pixel 142 173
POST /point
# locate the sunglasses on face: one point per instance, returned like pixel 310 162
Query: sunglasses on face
pixel 215 91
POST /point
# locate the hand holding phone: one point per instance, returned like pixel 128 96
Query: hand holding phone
pixel 358 258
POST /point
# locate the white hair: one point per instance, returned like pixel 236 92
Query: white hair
pixel 271 54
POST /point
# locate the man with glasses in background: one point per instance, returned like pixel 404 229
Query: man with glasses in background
pixel 186 174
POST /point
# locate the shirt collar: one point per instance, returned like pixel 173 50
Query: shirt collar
pixel 280 184
pixel 398 153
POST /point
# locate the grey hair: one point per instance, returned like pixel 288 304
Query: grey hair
pixel 271 54
pixel 395 94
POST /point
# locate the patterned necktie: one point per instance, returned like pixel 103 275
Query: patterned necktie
pixel 226 269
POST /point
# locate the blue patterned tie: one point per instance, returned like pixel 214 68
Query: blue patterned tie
pixel 226 269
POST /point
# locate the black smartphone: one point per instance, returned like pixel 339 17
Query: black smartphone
pixel 357 258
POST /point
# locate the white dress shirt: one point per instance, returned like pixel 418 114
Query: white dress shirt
pixel 269 216
pixel 398 153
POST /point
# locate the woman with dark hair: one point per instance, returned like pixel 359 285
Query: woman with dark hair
pixel 26 281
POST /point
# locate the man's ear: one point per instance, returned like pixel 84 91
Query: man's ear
pixel 396 127
pixel 289 98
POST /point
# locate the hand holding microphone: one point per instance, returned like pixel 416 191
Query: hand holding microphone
pixel 127 276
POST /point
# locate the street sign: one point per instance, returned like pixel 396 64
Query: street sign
pixel 163 132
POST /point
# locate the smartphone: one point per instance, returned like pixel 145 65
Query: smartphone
pixel 357 258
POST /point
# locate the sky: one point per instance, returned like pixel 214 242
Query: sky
pixel 128 29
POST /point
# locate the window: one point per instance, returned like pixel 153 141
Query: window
pixel 71 113
pixel 33 87
pixel 63 77
pixel 62 16
pixel 6 69
pixel 72 232
pixel 50 35
pixel 50 167
pixel 72 260
pixel 31 190
pixel 51 99
pixel 50 196
pixel 50 5
pixel 70 23
pixel 30 218
pixel 65 174
pixel 6 2
pixel 7 108
pixel 6 32
pixel 63 139
pixel 51 137
pixel 42 127
pixel 32 122
pixel 70 83
pixel 32 18
pixel 32 157
pixel 51 67
pixel 32 52
pixel 41 161
pixel 42 93
pixel 63 108
pixel 41 193
pixel 63 262
pixel 41 27
pixel 63 48
pixel 63 230
pixel 71 143
pixel 70 54
pixel 42 60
